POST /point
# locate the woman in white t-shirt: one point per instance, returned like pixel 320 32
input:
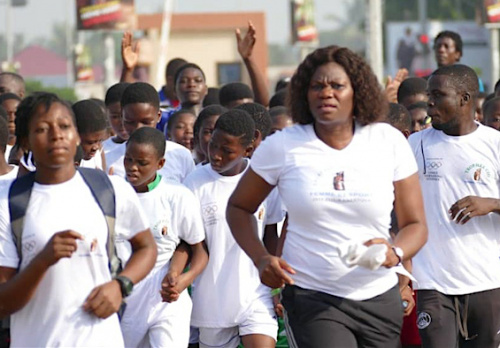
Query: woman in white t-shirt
pixel 338 172
pixel 59 290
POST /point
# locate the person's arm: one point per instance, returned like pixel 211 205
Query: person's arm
pixel 245 49
pixel 412 233
pixel 198 263
pixel 246 198
pixel 271 238
pixel 130 57
pixel 103 160
pixel 178 263
pixel 106 299
pixel 16 289
pixel 468 207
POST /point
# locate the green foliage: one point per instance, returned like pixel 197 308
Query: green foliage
pixel 63 93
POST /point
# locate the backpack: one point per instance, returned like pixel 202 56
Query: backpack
pixel 102 190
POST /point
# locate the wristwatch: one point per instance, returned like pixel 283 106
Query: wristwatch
pixel 126 285
pixel 399 253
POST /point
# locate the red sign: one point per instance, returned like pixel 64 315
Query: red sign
pixel 492 10
pixel 303 25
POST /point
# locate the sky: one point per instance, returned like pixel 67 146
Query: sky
pixel 38 16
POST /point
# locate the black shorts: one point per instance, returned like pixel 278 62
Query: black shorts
pixel 316 319
pixel 471 320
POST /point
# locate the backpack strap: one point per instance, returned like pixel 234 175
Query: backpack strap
pixel 19 196
pixel 102 189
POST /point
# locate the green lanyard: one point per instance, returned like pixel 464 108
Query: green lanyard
pixel 152 185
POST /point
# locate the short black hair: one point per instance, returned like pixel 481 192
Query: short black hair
pixel 4 135
pixel 237 123
pixel 418 105
pixel 175 116
pixel 399 117
pixel 140 92
pixel 212 97
pixel 4 114
pixel 410 87
pixel 260 116
pixel 497 86
pixel 187 66
pixel 90 117
pixel 115 92
pixel 279 98
pixel 173 65
pixel 487 106
pixel 149 136
pixel 452 35
pixel 28 107
pixel 18 79
pixel 209 111
pixel 234 91
pixel 284 82
pixel 9 96
pixel 278 111
pixel 461 77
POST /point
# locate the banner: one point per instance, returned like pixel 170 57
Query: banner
pixel 303 25
pixel 106 14
pixel 492 10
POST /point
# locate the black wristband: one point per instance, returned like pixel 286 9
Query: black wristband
pixel 126 285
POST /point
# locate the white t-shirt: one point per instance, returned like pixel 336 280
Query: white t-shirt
pixel 8 149
pixel 54 315
pixel 225 290
pixel 178 162
pixel 109 145
pixel 6 179
pixel 458 259
pixel 173 214
pixel 94 163
pixel 334 196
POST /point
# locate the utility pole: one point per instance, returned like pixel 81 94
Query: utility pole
pixel 374 51
pixel 164 38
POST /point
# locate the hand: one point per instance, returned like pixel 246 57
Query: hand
pixel 172 286
pixel 391 259
pixel 278 307
pixel 104 300
pixel 111 171
pixel 130 53
pixel 392 85
pixel 246 44
pixel 407 295
pixel 62 244
pixel 468 207
pixel 271 270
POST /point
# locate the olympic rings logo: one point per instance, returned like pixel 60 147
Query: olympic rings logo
pixel 29 246
pixel 209 209
pixel 434 165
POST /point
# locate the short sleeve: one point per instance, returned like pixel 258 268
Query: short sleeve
pixel 405 164
pixel 8 250
pixel 189 214
pixel 275 210
pixel 269 158
pixel 130 218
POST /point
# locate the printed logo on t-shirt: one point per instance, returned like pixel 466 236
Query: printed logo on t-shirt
pixel 423 320
pixel 209 213
pixel 164 231
pixel 477 173
pixel 432 168
pixel 338 181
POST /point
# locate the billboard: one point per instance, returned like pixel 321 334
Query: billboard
pixel 105 14
pixel 303 25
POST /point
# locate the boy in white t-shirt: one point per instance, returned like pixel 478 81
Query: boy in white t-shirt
pixel 59 291
pixel 228 299
pixel 141 108
pixel 173 216
pixel 92 128
pixel 112 100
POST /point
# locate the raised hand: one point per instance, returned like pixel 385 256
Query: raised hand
pixel 392 85
pixel 247 43
pixel 130 51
